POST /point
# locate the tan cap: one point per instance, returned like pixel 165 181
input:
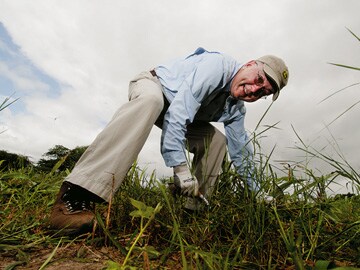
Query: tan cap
pixel 275 68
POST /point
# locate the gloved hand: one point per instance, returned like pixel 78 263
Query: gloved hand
pixel 184 180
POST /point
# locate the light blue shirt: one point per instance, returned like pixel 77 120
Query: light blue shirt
pixel 190 85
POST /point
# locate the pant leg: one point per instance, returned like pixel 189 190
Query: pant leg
pixel 116 148
pixel 208 145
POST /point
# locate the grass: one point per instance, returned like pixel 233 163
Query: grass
pixel 150 229
pixel 145 227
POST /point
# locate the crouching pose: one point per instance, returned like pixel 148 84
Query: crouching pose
pixel 181 97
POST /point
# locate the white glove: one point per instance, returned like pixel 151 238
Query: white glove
pixel 184 180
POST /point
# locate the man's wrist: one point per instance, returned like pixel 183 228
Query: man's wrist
pixel 181 168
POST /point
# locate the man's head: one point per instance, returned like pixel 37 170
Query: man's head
pixel 258 78
pixel 276 71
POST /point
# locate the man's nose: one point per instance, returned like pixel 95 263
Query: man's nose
pixel 254 89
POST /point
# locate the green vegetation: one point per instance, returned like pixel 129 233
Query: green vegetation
pixel 13 161
pixel 148 226
pixel 59 155
pixel 145 227
pixel 67 158
pixel 347 66
pixel 6 103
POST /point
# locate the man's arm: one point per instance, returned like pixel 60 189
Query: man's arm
pixel 207 75
pixel 240 149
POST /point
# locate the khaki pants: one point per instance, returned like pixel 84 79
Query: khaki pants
pixel 116 148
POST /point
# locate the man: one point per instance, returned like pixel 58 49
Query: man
pixel 181 97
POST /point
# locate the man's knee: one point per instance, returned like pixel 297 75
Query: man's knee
pixel 220 139
pixel 155 102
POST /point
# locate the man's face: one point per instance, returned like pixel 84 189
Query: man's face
pixel 250 83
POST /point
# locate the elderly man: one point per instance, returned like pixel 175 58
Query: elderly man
pixel 181 97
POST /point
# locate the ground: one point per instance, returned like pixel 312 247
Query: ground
pixel 71 256
pixel 75 256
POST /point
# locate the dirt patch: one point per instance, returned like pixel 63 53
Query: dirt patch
pixel 69 256
pixel 76 256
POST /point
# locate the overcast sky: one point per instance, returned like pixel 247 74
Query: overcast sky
pixel 69 63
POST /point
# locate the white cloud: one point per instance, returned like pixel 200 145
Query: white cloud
pixel 22 77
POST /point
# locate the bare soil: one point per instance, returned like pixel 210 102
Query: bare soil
pixel 76 256
pixel 71 256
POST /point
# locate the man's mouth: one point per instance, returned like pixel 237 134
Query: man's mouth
pixel 245 90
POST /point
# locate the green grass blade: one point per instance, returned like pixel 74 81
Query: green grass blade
pixel 50 257
pixel 263 116
pixel 358 38
pixel 338 91
pixel 4 104
pixel 341 114
pixel 108 234
pixel 345 66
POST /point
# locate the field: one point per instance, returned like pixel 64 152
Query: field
pixel 145 227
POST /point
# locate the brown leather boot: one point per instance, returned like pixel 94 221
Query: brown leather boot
pixel 72 212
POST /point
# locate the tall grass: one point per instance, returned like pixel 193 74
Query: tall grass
pixel 150 229
pixel 6 103
pixel 235 232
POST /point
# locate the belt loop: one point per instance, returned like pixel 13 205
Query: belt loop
pixel 153 72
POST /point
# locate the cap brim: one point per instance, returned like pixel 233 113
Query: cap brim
pixel 276 95
pixel 272 75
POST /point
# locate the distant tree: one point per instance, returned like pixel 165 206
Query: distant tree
pixel 74 156
pixel 58 152
pixel 13 161
pixel 51 157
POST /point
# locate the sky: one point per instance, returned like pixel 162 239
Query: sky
pixel 69 64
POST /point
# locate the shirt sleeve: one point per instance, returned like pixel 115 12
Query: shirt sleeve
pixel 207 75
pixel 240 148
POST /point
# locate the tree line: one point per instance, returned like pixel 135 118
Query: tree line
pixel 11 161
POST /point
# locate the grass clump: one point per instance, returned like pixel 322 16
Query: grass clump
pixel 149 228
pixel 145 227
